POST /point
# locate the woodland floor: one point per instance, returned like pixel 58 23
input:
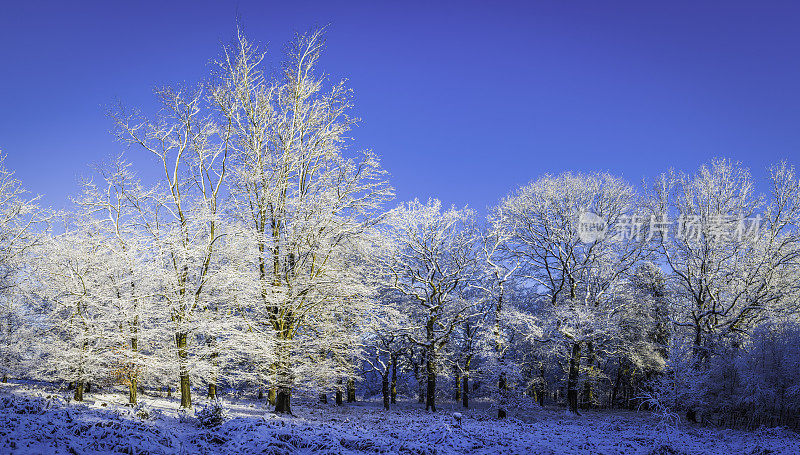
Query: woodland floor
pixel 35 419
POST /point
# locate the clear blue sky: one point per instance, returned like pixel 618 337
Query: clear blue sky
pixel 463 100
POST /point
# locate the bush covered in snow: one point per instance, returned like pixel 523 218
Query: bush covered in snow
pixel 750 385
pixel 38 425
pixel 144 411
pixel 211 415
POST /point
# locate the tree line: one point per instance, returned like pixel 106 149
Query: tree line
pixel 264 257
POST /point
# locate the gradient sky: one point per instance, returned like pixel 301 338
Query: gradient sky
pixel 463 100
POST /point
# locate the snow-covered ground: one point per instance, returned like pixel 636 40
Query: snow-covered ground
pixel 32 423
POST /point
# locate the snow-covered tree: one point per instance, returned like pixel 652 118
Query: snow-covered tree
pixel 386 341
pixel 304 199
pixel 642 332
pixel 132 319
pixel 182 215
pixel 732 258
pixel 430 258
pixel 71 272
pixel 20 311
pixel 575 279
pixel 499 268
pixel 732 252
pixel 22 228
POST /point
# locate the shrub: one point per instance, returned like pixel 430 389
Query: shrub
pixel 144 411
pixel 211 415
pixel 744 385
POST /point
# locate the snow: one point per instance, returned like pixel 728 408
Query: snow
pixel 37 419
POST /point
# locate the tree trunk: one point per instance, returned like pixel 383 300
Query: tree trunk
pixel 169 392
pixel 271 396
pixel 617 381
pixel 88 387
pixel 572 379
pixel 132 392
pixel 351 390
pixel 499 352
pixel 260 394
pixel 186 390
pixel 283 400
pixel 542 388
pixel 465 391
pixel 339 394
pixel 385 389
pixel 394 379
pixel 501 389
pixel 457 383
pixel 632 388
pixel 420 384
pixel 134 374
pixel 5 378
pixel 588 386
pixel 78 391
pixel 212 384
pixel 323 398
pixel 699 355
pixel 430 398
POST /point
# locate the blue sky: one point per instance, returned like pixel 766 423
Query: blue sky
pixel 463 100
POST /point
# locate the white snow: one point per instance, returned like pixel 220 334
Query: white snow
pixel 32 423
